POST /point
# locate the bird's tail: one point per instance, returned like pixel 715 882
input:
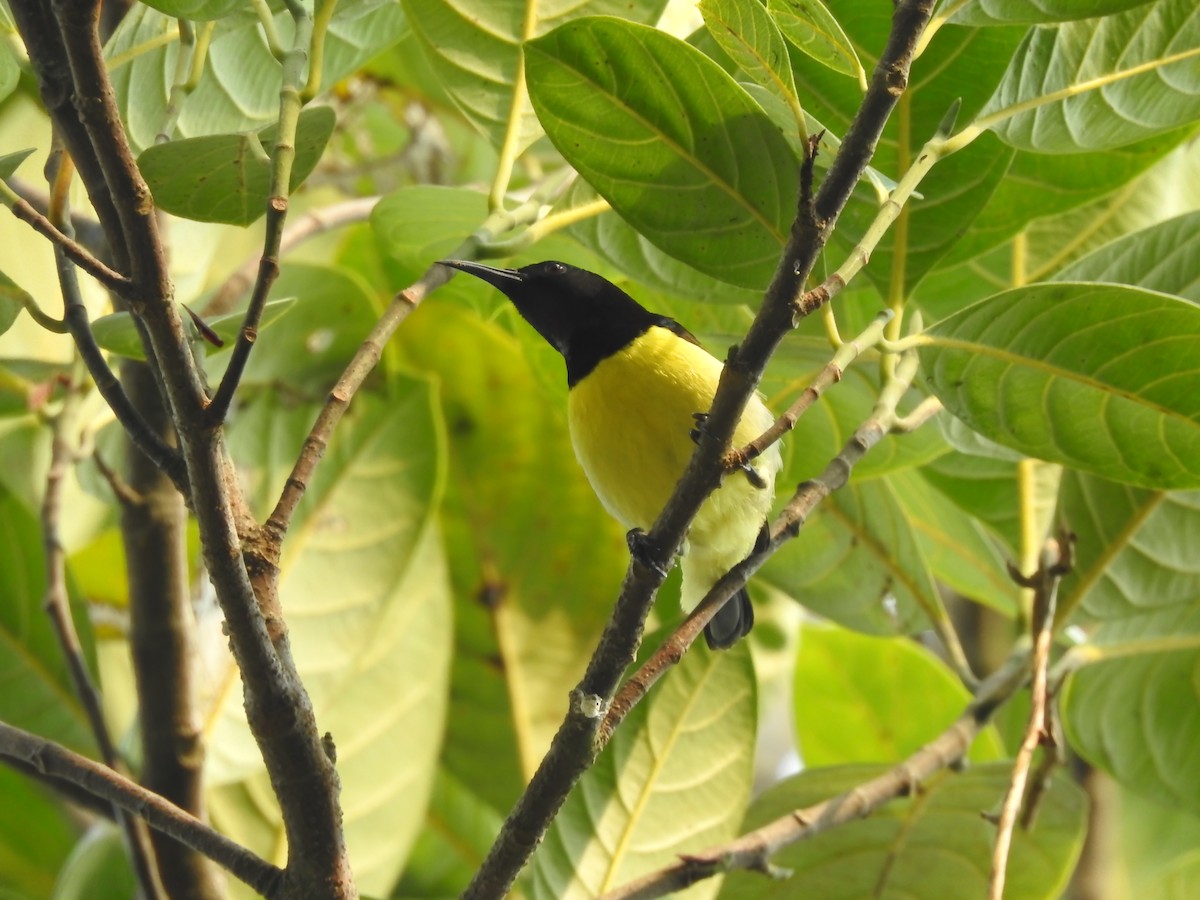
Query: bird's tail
pixel 732 622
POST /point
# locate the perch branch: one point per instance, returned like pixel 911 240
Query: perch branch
pixel 574 746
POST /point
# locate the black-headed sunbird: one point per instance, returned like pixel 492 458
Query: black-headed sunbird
pixel 637 382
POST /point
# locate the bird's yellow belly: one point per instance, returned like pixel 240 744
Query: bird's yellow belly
pixel 630 420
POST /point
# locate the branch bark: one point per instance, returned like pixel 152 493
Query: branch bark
pixel 62 766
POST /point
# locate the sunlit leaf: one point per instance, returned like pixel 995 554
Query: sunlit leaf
pixel 675 777
pixel 752 39
pixel 40 695
pixel 817 34
pixel 713 183
pixel 868 699
pixel 1103 82
pixel 118 334
pixel 1028 12
pixel 475 48
pixel 1101 377
pixel 227 177
pixel 935 844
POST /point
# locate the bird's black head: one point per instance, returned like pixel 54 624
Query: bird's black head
pixel 581 315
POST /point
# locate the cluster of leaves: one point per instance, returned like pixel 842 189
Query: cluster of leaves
pixel 449 571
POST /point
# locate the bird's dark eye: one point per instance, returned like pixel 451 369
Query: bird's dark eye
pixel 555 268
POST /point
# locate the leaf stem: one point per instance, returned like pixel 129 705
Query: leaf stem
pixel 510 148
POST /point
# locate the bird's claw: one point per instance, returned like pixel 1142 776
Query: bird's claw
pixel 641 550
pixel 753 476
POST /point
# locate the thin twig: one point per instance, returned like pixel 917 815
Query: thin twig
pixel 830 375
pixel 282 156
pixel 1056 561
pixel 76 252
pixel 753 851
pixel 58 609
pixel 62 765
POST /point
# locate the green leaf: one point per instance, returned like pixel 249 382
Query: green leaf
pixel 328 313
pixel 12 301
pixel 118 334
pixel 858 563
pixel 1136 549
pixel 1037 186
pixel 869 699
pixel 1159 258
pixel 936 844
pixel 227 177
pixel 10 73
pixel 36 836
pixel 39 694
pixel 365 583
pixel 1158 848
pixel 419 224
pixel 458 832
pixel 960 553
pixel 712 182
pixel 675 777
pixel 1031 12
pixel 195 10
pixel 984 488
pixel 1138 718
pixel 1104 82
pixel 475 47
pixel 238 89
pixel 824 431
pixel 961 64
pixel 98 868
pixel 814 31
pixel 9 162
pixel 1110 370
pixel 629 253
pixel 750 36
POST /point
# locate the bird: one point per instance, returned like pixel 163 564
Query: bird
pixel 638 384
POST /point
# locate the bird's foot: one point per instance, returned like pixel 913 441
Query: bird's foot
pixel 642 551
pixel 751 473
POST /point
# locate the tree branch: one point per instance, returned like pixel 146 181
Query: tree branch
pixel 1056 561
pixel 62 765
pixel 66 55
pixel 573 747
pixel 58 608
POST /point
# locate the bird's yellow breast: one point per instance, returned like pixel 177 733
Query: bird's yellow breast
pixel 630 419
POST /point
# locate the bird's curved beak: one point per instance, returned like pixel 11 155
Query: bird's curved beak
pixel 501 279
